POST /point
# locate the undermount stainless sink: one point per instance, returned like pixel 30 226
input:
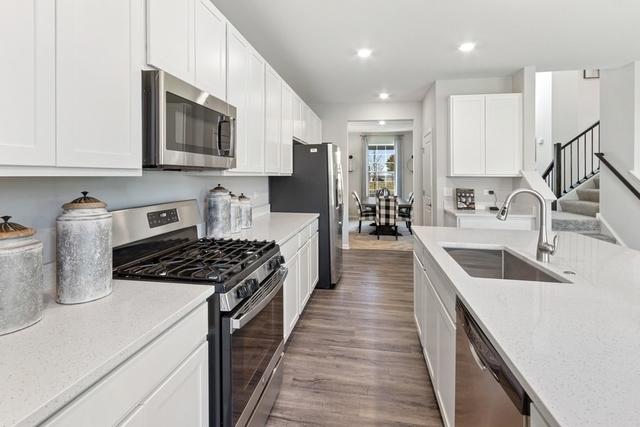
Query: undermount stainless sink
pixel 499 264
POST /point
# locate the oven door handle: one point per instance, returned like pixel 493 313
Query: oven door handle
pixel 276 285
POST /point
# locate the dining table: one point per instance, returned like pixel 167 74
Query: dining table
pixel 370 202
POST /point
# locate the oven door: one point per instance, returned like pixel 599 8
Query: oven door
pixel 252 345
pixel 196 130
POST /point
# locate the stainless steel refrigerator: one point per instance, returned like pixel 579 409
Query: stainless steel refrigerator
pixel 316 187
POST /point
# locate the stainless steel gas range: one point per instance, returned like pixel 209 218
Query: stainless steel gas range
pixel 162 243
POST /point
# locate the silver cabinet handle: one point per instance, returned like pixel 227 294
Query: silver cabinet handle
pixel 481 365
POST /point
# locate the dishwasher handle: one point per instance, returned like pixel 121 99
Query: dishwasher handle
pixel 487 357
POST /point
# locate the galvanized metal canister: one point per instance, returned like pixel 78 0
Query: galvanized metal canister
pixel 21 280
pixel 235 214
pixel 84 251
pixel 219 213
pixel 246 213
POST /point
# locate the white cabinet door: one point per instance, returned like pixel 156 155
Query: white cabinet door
pixel 297 118
pixel 211 49
pixel 99 57
pixel 170 37
pixel 304 288
pixel 255 132
pixel 27 115
pixel 273 123
pixel 318 130
pixel 237 91
pixel 418 290
pixel 183 399
pixel 314 251
pixel 446 368
pixel 431 331
pixel 290 295
pixel 467 135
pixel 287 130
pixel 503 134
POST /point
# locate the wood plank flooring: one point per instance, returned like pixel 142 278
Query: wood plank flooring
pixel 354 358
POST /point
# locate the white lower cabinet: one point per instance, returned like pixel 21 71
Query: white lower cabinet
pixel 438 336
pixel 305 288
pixel 290 295
pixel 314 251
pixel 183 399
pixel 301 258
pixel 163 384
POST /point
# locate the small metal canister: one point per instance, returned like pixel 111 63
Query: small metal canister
pixel 21 279
pixel 246 214
pixel 219 213
pixel 84 251
pixel 235 214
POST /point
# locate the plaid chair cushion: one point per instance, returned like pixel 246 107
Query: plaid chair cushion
pixel 364 214
pixel 407 213
pixel 386 211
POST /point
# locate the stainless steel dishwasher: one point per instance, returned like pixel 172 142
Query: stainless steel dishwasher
pixel 487 392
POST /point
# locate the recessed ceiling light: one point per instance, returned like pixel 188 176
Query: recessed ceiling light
pixel 364 53
pixel 467 47
pixel 382 123
pixel 384 95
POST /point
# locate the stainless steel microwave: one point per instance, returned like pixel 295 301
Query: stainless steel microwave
pixel 185 128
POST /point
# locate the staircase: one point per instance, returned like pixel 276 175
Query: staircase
pixel 574 178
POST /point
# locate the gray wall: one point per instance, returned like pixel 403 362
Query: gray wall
pixel 620 141
pixel 36 202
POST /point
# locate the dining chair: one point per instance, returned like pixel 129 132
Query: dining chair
pixel 406 213
pixel 364 214
pixel 387 214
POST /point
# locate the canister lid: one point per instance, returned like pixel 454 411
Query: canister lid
pixel 233 197
pixel 243 197
pixel 85 202
pixel 219 190
pixel 12 230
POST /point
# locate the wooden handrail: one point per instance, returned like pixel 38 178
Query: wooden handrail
pixel 618 174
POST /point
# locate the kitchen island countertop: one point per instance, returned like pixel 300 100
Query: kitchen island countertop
pixel 573 346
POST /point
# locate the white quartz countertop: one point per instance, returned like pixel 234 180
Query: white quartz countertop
pixel 45 366
pixel 574 347
pixel 515 211
pixel 278 226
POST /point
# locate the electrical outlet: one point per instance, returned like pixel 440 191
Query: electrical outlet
pixel 487 192
pixel 448 192
pixel 491 192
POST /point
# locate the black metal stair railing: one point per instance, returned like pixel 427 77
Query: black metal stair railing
pixel 574 162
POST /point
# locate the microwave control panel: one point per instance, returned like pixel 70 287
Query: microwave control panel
pixel 160 218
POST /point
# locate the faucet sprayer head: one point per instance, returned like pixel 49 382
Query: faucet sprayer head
pixel 502 215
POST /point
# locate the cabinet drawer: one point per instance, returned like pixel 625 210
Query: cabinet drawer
pixel 303 236
pixel 419 250
pixel 126 387
pixel 289 248
pixel 441 285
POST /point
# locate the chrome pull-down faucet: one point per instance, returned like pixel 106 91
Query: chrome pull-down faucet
pixel 545 248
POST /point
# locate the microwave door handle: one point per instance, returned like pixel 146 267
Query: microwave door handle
pixel 219 136
pixel 247 317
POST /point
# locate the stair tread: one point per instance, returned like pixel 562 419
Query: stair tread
pixel 568 221
pixel 588 194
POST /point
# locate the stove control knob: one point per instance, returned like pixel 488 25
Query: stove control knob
pixel 276 262
pixel 242 291
pixel 252 285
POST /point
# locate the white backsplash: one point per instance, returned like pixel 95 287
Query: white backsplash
pixel 36 202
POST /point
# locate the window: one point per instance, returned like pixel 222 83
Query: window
pixel 381 167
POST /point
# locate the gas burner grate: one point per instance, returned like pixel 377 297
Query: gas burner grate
pixel 202 260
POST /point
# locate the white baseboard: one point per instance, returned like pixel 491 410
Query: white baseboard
pixel 610 230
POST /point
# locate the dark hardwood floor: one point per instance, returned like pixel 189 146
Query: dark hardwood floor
pixel 354 358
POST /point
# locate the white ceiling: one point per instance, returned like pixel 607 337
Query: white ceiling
pixel 312 43
pixel 393 126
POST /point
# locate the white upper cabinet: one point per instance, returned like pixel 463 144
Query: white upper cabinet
pixel 170 37
pixel 273 124
pixel 287 130
pixel 297 118
pixel 256 113
pixel 27 117
pixel 467 135
pixel 99 57
pixel 485 135
pixel 237 90
pixel 503 134
pixel 211 49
